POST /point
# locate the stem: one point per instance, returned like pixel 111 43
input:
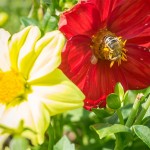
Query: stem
pixel 120 116
pixel 134 110
pixel 118 143
pixel 51 137
pixel 143 111
pixel 57 122
pixel 34 8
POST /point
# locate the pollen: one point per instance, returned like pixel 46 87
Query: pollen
pixel 11 86
pixel 107 46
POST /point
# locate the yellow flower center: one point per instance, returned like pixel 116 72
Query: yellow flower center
pixel 107 46
pixel 12 86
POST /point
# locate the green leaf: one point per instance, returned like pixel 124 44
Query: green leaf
pixel 105 129
pixel 119 91
pixel 101 113
pixel 28 21
pixel 51 24
pixel 143 133
pixel 112 119
pixel 64 144
pixel 46 1
pixel 126 110
pixel 146 93
pixel 113 101
pixel 19 143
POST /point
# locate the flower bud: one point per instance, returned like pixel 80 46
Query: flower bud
pixel 113 101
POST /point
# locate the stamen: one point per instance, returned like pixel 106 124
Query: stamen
pixel 107 46
pixel 11 86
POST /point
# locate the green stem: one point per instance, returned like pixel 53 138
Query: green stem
pixel 120 116
pixel 51 137
pixel 57 122
pixel 143 111
pixel 118 143
pixel 34 8
pixel 134 110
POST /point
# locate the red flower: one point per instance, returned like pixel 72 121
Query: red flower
pixel 108 42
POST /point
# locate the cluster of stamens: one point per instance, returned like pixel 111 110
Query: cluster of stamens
pixel 11 86
pixel 107 46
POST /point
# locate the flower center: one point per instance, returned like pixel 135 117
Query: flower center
pixel 107 46
pixel 12 86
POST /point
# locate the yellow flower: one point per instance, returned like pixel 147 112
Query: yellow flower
pixel 32 88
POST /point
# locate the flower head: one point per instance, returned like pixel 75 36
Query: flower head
pixel 108 42
pixel 31 86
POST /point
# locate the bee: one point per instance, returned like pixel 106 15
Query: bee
pixel 115 46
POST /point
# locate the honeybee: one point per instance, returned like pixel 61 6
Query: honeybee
pixel 115 46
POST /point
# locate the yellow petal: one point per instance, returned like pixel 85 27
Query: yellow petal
pixel 48 49
pixel 58 93
pixel 4 52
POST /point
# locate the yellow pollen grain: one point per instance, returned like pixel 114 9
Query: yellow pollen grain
pixel 11 86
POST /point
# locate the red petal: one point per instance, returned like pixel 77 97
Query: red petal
pixel 76 59
pixel 82 19
pixel 96 81
pixel 100 82
pixel 143 39
pixel 137 67
pixel 130 19
pixel 105 7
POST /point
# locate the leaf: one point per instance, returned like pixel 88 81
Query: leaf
pixel 126 110
pixel 119 91
pixel 143 133
pixel 64 144
pixel 19 143
pixel 51 24
pixel 28 21
pixel 130 96
pixel 101 113
pixel 112 119
pixel 146 121
pixel 105 129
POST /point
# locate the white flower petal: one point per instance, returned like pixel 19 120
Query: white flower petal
pixel 50 54
pixel 40 115
pixel 2 109
pixel 27 54
pixel 22 49
pixel 15 45
pixel 34 115
pixel 12 116
pixel 3 138
pixel 4 52
pixel 58 92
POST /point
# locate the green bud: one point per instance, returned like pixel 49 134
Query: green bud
pixel 113 101
pixel 3 18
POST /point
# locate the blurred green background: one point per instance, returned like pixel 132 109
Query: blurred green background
pixel 15 10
